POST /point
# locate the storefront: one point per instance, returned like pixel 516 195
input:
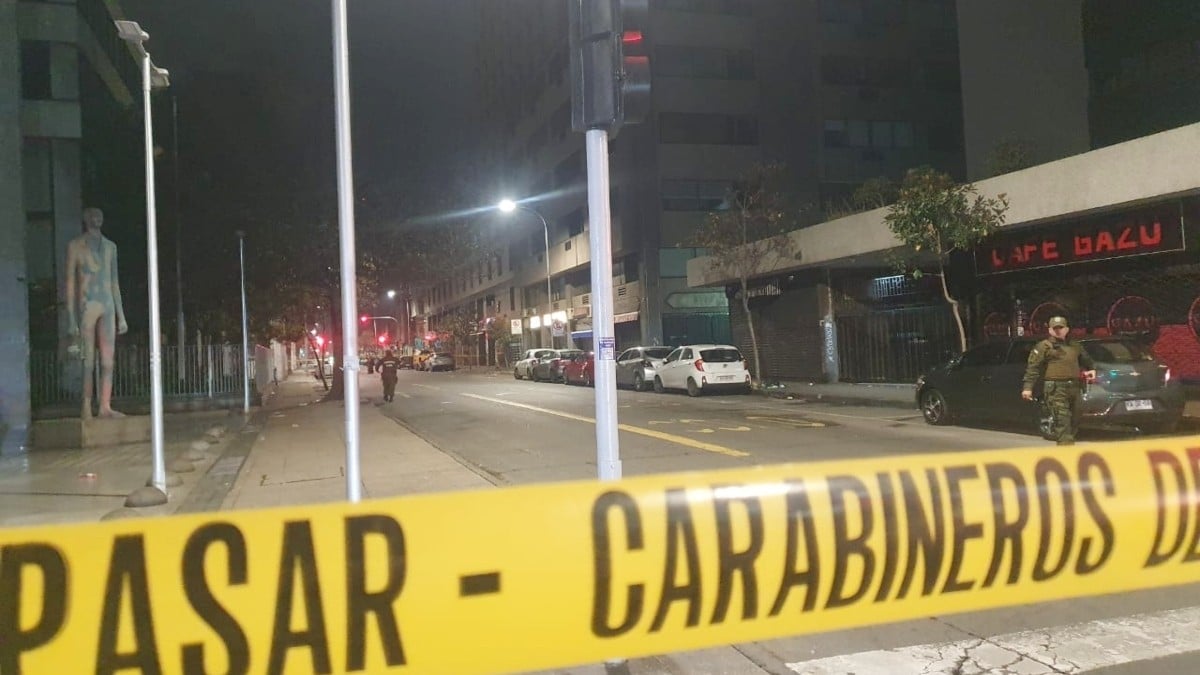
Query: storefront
pixel 1134 273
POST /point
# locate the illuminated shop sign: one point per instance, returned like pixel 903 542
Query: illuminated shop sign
pixel 1158 230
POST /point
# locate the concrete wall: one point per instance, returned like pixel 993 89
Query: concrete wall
pixel 14 297
pixel 1146 169
pixel 1023 78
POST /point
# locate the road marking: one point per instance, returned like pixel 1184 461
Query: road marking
pixel 804 424
pixel 404 395
pixel 737 428
pixel 1073 648
pixel 670 438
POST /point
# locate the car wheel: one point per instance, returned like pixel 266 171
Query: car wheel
pixel 658 385
pixel 516 374
pixel 934 407
pixel 639 382
pixel 693 389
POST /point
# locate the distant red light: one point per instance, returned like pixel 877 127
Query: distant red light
pixel 631 36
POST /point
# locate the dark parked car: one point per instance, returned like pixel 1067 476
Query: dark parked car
pixel 1131 389
pixel 549 367
pixel 406 361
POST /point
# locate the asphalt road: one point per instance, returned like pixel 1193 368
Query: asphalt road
pixel 519 432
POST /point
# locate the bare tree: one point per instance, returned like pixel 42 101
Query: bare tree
pixel 749 237
pixel 935 217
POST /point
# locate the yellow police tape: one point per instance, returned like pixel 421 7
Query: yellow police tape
pixel 553 575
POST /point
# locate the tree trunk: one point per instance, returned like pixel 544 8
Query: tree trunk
pixel 337 391
pixel 753 335
pixel 962 332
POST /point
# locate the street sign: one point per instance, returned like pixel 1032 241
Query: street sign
pixel 558 328
pixel 514 326
pixel 608 349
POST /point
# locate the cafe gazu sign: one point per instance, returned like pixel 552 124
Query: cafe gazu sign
pixel 1157 230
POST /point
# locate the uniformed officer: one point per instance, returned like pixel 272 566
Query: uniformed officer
pixel 389 366
pixel 1059 361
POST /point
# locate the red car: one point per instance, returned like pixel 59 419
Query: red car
pixel 580 370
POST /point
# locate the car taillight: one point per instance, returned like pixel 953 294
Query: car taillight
pixel 1083 376
pixel 699 365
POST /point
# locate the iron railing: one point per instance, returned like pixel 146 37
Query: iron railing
pixel 195 371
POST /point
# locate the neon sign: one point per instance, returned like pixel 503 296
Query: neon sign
pixel 1155 231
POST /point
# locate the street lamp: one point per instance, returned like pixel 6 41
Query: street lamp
pixel 152 77
pixel 508 206
pixel 391 295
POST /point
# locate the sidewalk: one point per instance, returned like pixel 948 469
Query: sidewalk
pixel 45 487
pixel 299 456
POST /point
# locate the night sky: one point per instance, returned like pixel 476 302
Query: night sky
pixel 261 72
pixel 253 81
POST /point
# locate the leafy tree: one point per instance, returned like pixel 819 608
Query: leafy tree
pixel 935 216
pixel 749 237
pixel 875 193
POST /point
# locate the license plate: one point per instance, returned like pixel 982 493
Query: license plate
pixel 725 378
pixel 1141 404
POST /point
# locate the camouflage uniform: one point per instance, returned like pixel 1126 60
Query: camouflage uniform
pixel 1059 363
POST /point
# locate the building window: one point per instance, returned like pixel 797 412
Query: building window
pixel 868 134
pixel 703 62
pixel 694 195
pixel 707 129
pixel 512 298
pixel 35 71
pixel 672 262
pixel 728 7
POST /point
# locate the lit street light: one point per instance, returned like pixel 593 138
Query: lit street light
pixel 508 206
pixel 391 295
pixel 152 77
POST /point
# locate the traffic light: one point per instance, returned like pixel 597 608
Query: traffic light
pixel 610 69
pixel 320 339
pixel 364 318
pixel 383 339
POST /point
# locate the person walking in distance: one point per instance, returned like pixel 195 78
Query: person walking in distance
pixel 1058 362
pixel 94 309
pixel 389 366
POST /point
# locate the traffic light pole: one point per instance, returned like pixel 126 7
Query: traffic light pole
pixel 608 449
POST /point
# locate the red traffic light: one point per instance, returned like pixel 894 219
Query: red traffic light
pixel 383 339
pixel 320 340
pixel 364 318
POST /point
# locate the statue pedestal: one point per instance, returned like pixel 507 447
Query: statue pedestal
pixel 98 432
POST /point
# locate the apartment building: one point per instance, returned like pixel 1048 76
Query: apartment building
pixel 839 91
pixel 70 135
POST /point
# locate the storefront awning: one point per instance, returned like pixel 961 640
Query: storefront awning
pixel 626 317
pixel 581 334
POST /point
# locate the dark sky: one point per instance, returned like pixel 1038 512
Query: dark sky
pixel 260 73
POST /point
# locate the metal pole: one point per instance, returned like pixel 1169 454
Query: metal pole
pixel 549 294
pixel 158 476
pixel 608 450
pixel 245 327
pixel 345 173
pixel 180 327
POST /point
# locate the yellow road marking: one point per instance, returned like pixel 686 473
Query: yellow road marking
pixel 737 428
pixel 670 438
pixel 804 424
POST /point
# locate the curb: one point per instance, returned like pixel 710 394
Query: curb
pixel 842 400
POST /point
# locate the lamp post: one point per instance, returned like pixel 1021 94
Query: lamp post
pixel 508 206
pixel 245 326
pixel 152 77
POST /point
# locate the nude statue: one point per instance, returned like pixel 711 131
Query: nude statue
pixel 94 305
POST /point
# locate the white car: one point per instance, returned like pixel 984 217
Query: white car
pixel 699 368
pixel 523 370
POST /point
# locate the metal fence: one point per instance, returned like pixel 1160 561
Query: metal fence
pixel 894 345
pixel 193 372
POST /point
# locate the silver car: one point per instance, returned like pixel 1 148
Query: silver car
pixel 440 361
pixel 635 366
pixel 523 369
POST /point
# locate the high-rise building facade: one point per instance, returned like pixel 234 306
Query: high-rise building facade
pixel 839 91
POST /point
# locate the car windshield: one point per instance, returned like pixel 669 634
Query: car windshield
pixel 657 352
pixel 720 355
pixel 1117 351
